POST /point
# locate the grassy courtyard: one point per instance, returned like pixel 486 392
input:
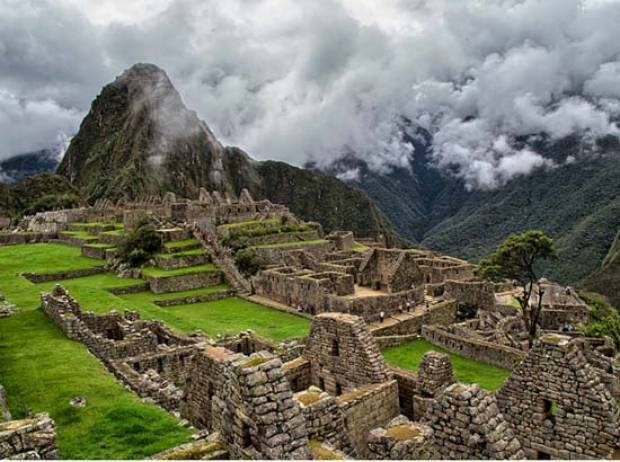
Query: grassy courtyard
pixel 43 370
pixel 408 356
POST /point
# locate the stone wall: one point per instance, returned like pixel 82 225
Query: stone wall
pixel 31 438
pixel 298 373
pixel 480 350
pixel 37 278
pixel 442 314
pixel 258 417
pixel 10 238
pixel 471 293
pixel 557 404
pixel 367 407
pixel 173 261
pixel 342 353
pixel 401 440
pixel 324 420
pixel 213 296
pixel 5 414
pixel 467 424
pixel 206 379
pixel 161 285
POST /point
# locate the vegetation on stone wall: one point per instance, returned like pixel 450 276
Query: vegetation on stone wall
pixel 248 262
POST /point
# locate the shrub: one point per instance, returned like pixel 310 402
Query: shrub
pixel 140 244
pixel 52 202
pixel 605 319
pixel 248 262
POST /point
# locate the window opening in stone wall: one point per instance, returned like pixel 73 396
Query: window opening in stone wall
pixel 335 348
pixel 550 409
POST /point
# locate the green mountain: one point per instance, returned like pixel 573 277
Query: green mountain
pixel 606 280
pixel 577 203
pixel 139 139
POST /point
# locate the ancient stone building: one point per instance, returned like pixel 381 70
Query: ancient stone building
pixel 557 404
pixel 342 354
pixel 467 424
pixel 332 291
pixel 395 270
pixel 342 359
pixel 418 390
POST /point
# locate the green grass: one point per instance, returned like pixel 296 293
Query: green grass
pixel 187 253
pixel 163 273
pixel 150 297
pixel 231 315
pixel 116 232
pixel 42 371
pixel 96 224
pixel 99 246
pixel 291 244
pixel 357 247
pixel 85 235
pixel 408 356
pixel 183 243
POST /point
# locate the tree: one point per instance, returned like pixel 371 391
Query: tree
pixel 517 258
pixel 140 244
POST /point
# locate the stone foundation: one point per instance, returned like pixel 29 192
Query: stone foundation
pixel 401 440
pixel 31 438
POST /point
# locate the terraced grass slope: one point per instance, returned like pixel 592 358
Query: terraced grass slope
pixel 43 370
pixel 408 356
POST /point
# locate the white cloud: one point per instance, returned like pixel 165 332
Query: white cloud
pixel 300 81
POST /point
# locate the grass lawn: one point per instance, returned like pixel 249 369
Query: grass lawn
pixel 85 235
pixel 163 273
pixel 187 253
pixel 408 356
pixel 183 243
pixel 231 315
pixel 42 371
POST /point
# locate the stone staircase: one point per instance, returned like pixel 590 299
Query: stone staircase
pixel 223 260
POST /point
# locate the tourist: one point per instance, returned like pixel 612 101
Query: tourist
pixel 565 327
pixel 400 308
pixel 408 305
pixel 381 316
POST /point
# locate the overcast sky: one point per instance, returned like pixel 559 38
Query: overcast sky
pixel 300 80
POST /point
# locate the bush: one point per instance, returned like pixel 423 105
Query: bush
pixel 605 319
pixel 140 244
pixel 248 262
pixel 52 202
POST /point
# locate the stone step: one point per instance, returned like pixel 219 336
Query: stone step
pixel 181 246
pixel 182 259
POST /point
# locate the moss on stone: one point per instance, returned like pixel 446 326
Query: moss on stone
pixel 320 452
pixel 403 432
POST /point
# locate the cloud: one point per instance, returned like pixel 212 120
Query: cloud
pixel 32 125
pixel 313 81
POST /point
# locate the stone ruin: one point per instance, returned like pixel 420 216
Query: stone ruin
pixel 467 424
pixel 401 440
pixel 558 404
pixel 31 438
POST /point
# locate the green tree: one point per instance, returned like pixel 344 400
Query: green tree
pixel 517 258
pixel 140 244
